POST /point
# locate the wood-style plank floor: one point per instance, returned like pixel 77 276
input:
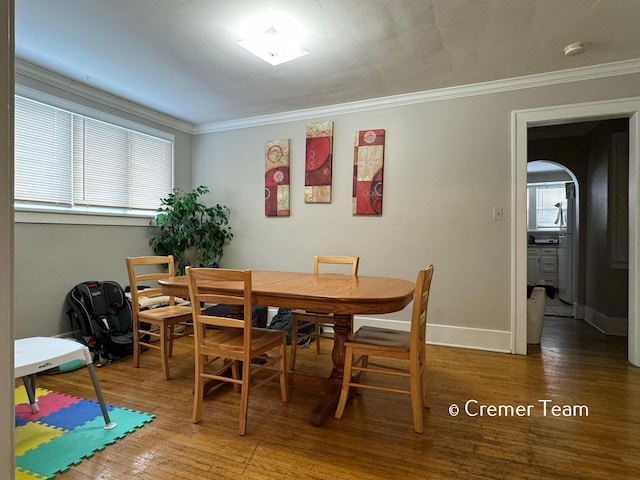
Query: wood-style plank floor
pixel 574 367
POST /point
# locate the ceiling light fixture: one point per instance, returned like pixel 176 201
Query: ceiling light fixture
pixel 574 49
pixel 274 38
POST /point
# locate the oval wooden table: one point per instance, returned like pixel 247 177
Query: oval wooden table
pixel 342 295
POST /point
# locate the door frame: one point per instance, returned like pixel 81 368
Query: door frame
pixel 520 121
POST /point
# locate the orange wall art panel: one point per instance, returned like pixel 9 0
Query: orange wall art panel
pixel 276 178
pixel 368 162
pixel 319 157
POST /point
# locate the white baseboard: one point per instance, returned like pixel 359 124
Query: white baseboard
pixel 608 325
pixel 445 335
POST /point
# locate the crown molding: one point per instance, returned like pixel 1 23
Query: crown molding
pixel 497 86
pixel 63 83
pixel 518 83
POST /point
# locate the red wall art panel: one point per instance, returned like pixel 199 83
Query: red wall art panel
pixel 276 178
pixel 317 176
pixel 368 162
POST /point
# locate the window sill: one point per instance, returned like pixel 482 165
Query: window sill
pixel 23 215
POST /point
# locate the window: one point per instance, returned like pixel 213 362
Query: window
pixel 544 201
pixel 68 162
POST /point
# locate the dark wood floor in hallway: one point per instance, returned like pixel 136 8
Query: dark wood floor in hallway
pixel 568 410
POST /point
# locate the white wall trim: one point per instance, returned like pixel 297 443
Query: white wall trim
pixel 447 335
pixel 444 335
pixel 521 119
pixel 608 325
pixel 77 218
pixel 63 83
pixel 518 83
pixel 531 81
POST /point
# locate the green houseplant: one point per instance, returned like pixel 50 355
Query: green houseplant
pixel 192 232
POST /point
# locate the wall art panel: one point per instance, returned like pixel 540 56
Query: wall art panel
pixel 368 162
pixel 318 165
pixel 276 178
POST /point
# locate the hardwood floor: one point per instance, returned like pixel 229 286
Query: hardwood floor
pixel 574 366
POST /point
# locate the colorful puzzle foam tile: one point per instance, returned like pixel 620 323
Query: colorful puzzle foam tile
pixel 33 435
pixel 127 421
pixel 60 453
pixel 48 403
pixel 82 412
pixel 20 394
pixel 22 475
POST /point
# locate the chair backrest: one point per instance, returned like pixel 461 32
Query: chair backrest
pixel 239 281
pixel 336 260
pixel 145 272
pixel 419 312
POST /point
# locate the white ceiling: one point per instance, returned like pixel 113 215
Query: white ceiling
pixel 180 57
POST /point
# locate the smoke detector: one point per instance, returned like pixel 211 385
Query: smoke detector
pixel 574 49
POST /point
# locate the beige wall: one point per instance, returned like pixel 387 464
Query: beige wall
pixel 50 258
pixel 447 164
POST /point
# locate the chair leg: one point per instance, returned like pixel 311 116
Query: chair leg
pixel 170 340
pixel 244 395
pixel 235 366
pixel 346 380
pixel 284 387
pixel 294 342
pixel 136 343
pixel 416 397
pixel 163 351
pixel 364 363
pixel 198 390
pixel 423 378
pixel 317 336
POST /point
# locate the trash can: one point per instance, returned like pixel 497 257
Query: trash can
pixel 536 303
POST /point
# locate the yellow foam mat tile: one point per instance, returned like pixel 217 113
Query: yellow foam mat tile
pixel 33 435
pixel 20 394
pixel 23 475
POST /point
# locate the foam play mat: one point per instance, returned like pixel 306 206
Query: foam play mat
pixel 65 431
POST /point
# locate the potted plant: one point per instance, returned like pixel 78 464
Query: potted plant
pixel 192 232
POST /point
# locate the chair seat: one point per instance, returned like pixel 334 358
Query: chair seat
pixel 167 313
pixel 382 337
pixel 233 339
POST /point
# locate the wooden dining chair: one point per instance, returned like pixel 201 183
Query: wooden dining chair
pixel 232 342
pixel 381 342
pixel 144 272
pixel 307 325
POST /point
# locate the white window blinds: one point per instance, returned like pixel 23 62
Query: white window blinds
pixel 43 152
pixel 66 158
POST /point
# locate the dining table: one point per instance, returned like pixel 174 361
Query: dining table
pixel 339 294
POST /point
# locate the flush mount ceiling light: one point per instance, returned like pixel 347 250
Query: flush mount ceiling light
pixel 273 38
pixel 574 49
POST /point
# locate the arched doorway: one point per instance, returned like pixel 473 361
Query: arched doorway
pixel 559 237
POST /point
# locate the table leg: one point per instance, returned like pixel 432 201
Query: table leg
pixel 326 406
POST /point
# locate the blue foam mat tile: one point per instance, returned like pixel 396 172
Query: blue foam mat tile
pixel 19 421
pixel 70 418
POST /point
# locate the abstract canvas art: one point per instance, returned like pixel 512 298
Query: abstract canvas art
pixel 368 162
pixel 276 178
pixel 318 172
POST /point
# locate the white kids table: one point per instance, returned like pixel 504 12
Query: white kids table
pixel 37 354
